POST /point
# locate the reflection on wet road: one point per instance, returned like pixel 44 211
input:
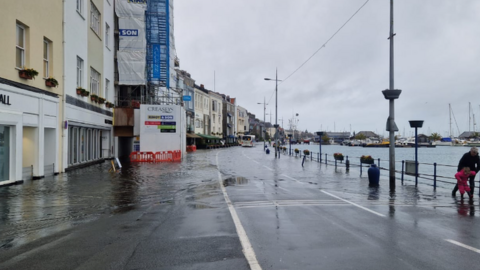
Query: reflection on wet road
pixel 42 207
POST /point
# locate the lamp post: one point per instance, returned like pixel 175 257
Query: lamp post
pixel 416 124
pixel 276 108
pixel 264 131
pixel 320 134
pixel 391 94
pixel 290 144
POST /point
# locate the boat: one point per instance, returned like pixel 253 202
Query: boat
pixel 446 141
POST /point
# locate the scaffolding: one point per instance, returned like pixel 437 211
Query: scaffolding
pixel 158 44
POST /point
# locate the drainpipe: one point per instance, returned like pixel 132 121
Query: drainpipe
pixel 64 157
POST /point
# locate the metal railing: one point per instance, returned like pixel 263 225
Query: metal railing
pixel 430 179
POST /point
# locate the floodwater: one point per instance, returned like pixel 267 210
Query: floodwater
pixel 39 208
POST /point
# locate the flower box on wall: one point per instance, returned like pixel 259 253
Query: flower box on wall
pixel 51 82
pixel 24 75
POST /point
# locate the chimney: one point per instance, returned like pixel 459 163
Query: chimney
pixel 201 86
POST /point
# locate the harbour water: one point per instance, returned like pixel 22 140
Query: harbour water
pixel 446 157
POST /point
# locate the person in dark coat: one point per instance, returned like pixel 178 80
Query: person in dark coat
pixel 471 160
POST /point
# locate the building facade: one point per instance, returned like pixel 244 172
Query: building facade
pixel 216 115
pixel 89 65
pixel 229 119
pixel 242 121
pixel 202 110
pixel 30 111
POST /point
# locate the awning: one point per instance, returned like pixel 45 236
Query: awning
pixel 229 114
pixel 208 137
pixel 192 135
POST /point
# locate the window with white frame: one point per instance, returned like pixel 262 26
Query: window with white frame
pixel 46 58
pixel 107 36
pixel 107 85
pixel 20 47
pixel 213 118
pixel 80 6
pixel 94 81
pixel 79 72
pixel 95 19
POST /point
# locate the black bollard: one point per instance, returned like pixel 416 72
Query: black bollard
pixel 303 160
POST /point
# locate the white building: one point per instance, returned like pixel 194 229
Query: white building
pixel 242 120
pixel 216 115
pixel 88 64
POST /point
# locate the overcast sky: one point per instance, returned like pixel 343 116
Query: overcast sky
pixel 437 59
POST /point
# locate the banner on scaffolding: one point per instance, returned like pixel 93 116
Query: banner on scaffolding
pixel 131 8
pixel 131 68
pixel 131 34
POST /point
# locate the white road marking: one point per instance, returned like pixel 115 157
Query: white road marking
pixel 268 168
pixel 463 245
pixel 292 178
pixel 352 203
pixel 247 247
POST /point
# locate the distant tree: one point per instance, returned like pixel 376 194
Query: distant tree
pixel 360 136
pixel 325 138
pixel 435 136
pixel 476 135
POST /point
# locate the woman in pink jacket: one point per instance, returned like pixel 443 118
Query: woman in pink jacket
pixel 462 181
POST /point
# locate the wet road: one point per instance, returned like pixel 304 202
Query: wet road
pixel 257 213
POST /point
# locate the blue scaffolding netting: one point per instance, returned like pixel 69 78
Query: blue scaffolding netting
pixel 158 42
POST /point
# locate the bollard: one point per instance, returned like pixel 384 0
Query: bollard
pixel 325 158
pixel 403 166
pixel 335 163
pixel 434 175
pixel 267 151
pixel 303 160
pixel 373 176
pixel 347 164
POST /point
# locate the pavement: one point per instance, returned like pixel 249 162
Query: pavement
pixel 233 208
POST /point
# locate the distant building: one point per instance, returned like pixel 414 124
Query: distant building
pixel 337 137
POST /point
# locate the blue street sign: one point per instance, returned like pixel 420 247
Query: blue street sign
pixel 187 98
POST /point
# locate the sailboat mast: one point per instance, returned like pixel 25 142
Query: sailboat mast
pixel 469 117
pixel 450 115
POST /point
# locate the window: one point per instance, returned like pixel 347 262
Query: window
pixel 94 81
pixel 79 72
pixel 20 47
pixel 80 6
pixel 107 38
pixel 214 108
pixel 107 85
pixel 213 118
pixel 95 19
pixel 46 58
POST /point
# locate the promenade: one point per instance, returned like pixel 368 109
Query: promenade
pixel 233 208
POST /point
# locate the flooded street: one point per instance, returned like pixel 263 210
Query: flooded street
pixel 234 208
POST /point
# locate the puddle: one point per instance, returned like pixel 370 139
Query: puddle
pixel 233 181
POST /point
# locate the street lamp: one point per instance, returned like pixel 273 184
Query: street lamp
pixel 391 94
pixel 416 124
pixel 276 108
pixel 320 134
pixel 290 144
pixel 264 131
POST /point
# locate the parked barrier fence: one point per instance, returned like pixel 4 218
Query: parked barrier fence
pixel 162 156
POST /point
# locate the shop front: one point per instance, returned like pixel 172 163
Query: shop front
pixel 29 146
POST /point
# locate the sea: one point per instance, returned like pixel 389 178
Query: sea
pixel 445 157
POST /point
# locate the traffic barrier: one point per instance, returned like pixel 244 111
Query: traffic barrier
pixel 162 156
pixel 142 157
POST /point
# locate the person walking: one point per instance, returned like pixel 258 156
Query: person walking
pixel 462 177
pixel 472 161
